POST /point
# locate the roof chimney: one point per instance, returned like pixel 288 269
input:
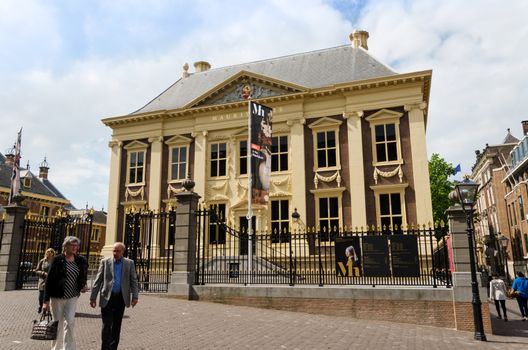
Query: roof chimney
pixel 44 167
pixel 359 39
pixel 201 66
pixel 525 127
pixel 185 73
pixel 10 156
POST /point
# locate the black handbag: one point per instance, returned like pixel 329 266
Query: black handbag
pixel 46 328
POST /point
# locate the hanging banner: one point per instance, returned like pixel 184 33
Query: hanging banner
pixel 261 117
pixel 348 257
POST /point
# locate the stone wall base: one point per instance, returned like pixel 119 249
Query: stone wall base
pixel 422 306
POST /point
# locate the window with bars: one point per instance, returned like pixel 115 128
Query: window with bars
pixel 96 234
pixel 218 159
pixel 386 143
pixel 326 149
pixel 243 158
pixel 521 208
pixel 179 155
pixel 217 233
pixel 136 167
pixel 45 211
pixel 390 212
pixel 279 153
pixel 280 225
pixel 328 218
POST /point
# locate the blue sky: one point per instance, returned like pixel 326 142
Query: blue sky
pixel 65 65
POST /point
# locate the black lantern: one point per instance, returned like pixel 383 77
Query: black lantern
pixel 295 216
pixel 466 194
pixel 503 240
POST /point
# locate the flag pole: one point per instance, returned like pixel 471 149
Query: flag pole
pixel 250 190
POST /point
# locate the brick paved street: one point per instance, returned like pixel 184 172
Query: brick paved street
pixel 164 323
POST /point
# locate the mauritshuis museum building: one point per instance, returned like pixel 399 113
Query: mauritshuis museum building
pixel 348 145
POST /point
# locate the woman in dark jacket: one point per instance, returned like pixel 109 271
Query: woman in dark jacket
pixel 67 277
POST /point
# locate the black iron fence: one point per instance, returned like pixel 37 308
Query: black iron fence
pixel 41 233
pixel 149 238
pixel 413 256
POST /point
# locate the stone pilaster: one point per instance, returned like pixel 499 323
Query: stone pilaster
pixel 12 239
pixel 356 169
pixel 297 150
pixel 113 196
pixel 420 163
pixel 200 161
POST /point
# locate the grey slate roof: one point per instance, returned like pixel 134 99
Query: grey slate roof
pixel 311 70
pixel 510 138
pixel 38 186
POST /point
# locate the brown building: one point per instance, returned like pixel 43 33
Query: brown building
pixel 42 197
pixel 489 171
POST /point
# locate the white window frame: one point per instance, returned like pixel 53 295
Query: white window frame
pixel 271 221
pixel 326 193
pixel 389 189
pixel 384 117
pixel 97 232
pixel 279 153
pixel 178 141
pixel 209 159
pixel 136 146
pixel 324 125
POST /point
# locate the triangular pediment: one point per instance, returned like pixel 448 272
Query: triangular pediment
pixel 325 122
pixel 135 145
pixel 235 89
pixel 384 114
pixel 178 139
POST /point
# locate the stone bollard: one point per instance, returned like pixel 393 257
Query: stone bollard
pixel 184 265
pixel 12 239
pixel 462 293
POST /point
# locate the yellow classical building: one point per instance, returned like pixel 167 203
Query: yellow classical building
pixel 348 145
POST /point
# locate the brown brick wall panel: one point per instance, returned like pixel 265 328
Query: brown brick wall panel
pixel 433 313
pixel 464 317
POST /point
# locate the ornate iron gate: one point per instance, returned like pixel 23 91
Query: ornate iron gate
pixel 41 233
pixel 149 238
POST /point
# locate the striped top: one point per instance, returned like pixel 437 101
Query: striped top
pixel 70 286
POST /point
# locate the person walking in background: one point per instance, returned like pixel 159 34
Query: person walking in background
pixel 42 273
pixel 520 285
pixel 66 279
pixel 116 281
pixel 498 294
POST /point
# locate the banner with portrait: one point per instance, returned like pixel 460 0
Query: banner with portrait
pixel 260 143
pixel 348 257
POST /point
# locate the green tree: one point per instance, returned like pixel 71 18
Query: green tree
pixel 439 172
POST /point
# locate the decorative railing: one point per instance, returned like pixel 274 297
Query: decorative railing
pixel 408 256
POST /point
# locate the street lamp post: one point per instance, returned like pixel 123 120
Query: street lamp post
pixel 466 192
pixel 503 240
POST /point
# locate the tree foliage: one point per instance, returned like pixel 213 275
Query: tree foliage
pixel 439 172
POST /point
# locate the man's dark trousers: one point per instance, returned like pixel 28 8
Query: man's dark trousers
pixel 112 315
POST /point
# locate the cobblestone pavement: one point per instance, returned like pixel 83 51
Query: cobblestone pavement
pixel 165 323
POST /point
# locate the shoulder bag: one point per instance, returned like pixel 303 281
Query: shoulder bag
pixel 45 329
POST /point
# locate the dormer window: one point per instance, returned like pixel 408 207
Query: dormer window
pixel 27 182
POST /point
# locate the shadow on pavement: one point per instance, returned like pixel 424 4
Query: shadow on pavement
pixel 514 327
